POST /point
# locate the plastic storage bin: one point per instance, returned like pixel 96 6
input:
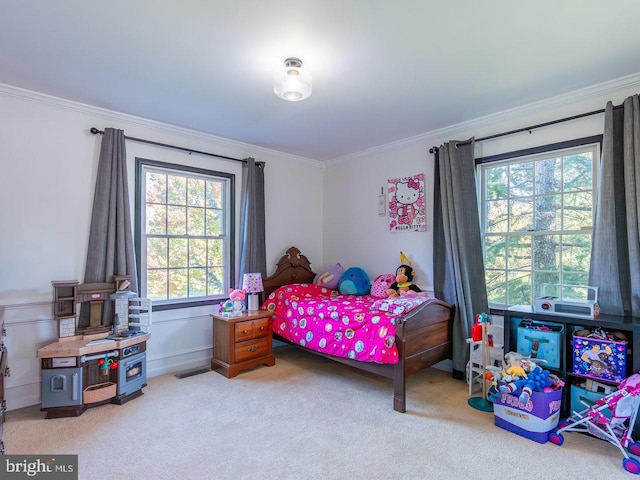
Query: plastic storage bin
pixel 535 420
pixel 597 358
pixel 541 340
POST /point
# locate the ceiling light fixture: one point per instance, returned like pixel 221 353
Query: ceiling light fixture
pixel 292 83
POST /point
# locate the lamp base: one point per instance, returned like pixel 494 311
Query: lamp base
pixel 252 302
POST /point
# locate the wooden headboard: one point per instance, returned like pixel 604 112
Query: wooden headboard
pixel 293 267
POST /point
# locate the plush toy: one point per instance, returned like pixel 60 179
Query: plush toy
pixel 535 381
pixel 513 369
pixel 329 277
pixel 404 279
pixel 354 281
pixel 381 284
pixel 521 375
pixel 237 297
pixel 226 308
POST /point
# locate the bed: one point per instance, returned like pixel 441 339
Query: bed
pixel 414 336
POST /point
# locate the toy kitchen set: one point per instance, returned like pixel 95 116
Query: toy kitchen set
pixel 100 355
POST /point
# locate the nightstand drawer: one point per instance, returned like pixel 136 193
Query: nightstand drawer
pixel 251 329
pixel 249 350
pixel 261 327
pixel 241 342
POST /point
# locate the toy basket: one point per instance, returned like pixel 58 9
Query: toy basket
pixel 99 392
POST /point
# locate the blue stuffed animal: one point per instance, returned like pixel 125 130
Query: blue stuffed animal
pixel 354 281
pixel 535 381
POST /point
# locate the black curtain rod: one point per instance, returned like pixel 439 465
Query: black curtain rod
pixel 527 129
pixel 95 131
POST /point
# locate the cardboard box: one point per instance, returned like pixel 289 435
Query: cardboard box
pixel 541 340
pixel 534 420
pixel 597 358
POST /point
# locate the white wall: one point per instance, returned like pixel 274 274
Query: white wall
pixel 355 235
pixel 49 163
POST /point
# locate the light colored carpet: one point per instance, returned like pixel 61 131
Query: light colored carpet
pixel 305 417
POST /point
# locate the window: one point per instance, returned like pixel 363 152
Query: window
pixel 184 234
pixel 537 209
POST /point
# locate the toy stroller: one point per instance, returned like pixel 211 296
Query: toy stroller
pixel 611 418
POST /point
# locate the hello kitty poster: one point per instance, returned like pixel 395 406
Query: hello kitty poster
pixel 406 204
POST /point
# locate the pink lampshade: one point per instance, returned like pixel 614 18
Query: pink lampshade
pixel 252 282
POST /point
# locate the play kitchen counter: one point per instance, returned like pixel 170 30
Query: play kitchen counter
pixel 85 346
pixel 84 372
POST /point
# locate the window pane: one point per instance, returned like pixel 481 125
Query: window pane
pixel 519 289
pixel 496 286
pixel 197 282
pixel 540 278
pixel 214 222
pixel 195 192
pixel 576 252
pixel 576 278
pixel 176 190
pixel 156 217
pixel 177 220
pixel 577 211
pixel 215 280
pixel 196 221
pixel 157 253
pixel 177 252
pixel 497 183
pixel 578 172
pixel 548 175
pixel 495 252
pixel 157 284
pixel 214 195
pixel 156 187
pixel 215 253
pixel 519 252
pixel 497 216
pixel 521 180
pixel 547 213
pixel 198 253
pixel 521 215
pixel 178 286
pixel 546 252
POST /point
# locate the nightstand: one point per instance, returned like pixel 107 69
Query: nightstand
pixel 241 342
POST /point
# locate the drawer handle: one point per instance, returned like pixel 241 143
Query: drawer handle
pixel 253 348
pixel 245 331
pixel 261 328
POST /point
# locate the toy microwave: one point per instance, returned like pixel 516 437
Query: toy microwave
pixel 569 300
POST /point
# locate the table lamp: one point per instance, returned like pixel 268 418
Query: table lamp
pixel 252 284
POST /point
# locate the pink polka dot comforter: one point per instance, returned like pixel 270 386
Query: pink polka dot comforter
pixel 357 327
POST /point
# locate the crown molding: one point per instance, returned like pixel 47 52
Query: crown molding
pixel 463 128
pixel 248 150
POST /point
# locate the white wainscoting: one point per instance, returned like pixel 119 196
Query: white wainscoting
pixel 180 340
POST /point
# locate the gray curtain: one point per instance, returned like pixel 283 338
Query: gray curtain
pixel 111 248
pixel 253 256
pixel 458 265
pixel 615 251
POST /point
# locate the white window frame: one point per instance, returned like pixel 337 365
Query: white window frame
pixel 227 236
pixel 531 155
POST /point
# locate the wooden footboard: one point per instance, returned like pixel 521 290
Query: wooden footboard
pixel 423 336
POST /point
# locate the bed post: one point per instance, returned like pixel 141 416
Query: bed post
pixel 399 377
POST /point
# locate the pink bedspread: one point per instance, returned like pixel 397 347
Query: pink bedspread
pixel 356 327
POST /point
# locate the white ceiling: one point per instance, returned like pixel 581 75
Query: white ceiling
pixel 383 70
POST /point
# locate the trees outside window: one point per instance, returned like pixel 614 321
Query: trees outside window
pixel 183 232
pixel 537 217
